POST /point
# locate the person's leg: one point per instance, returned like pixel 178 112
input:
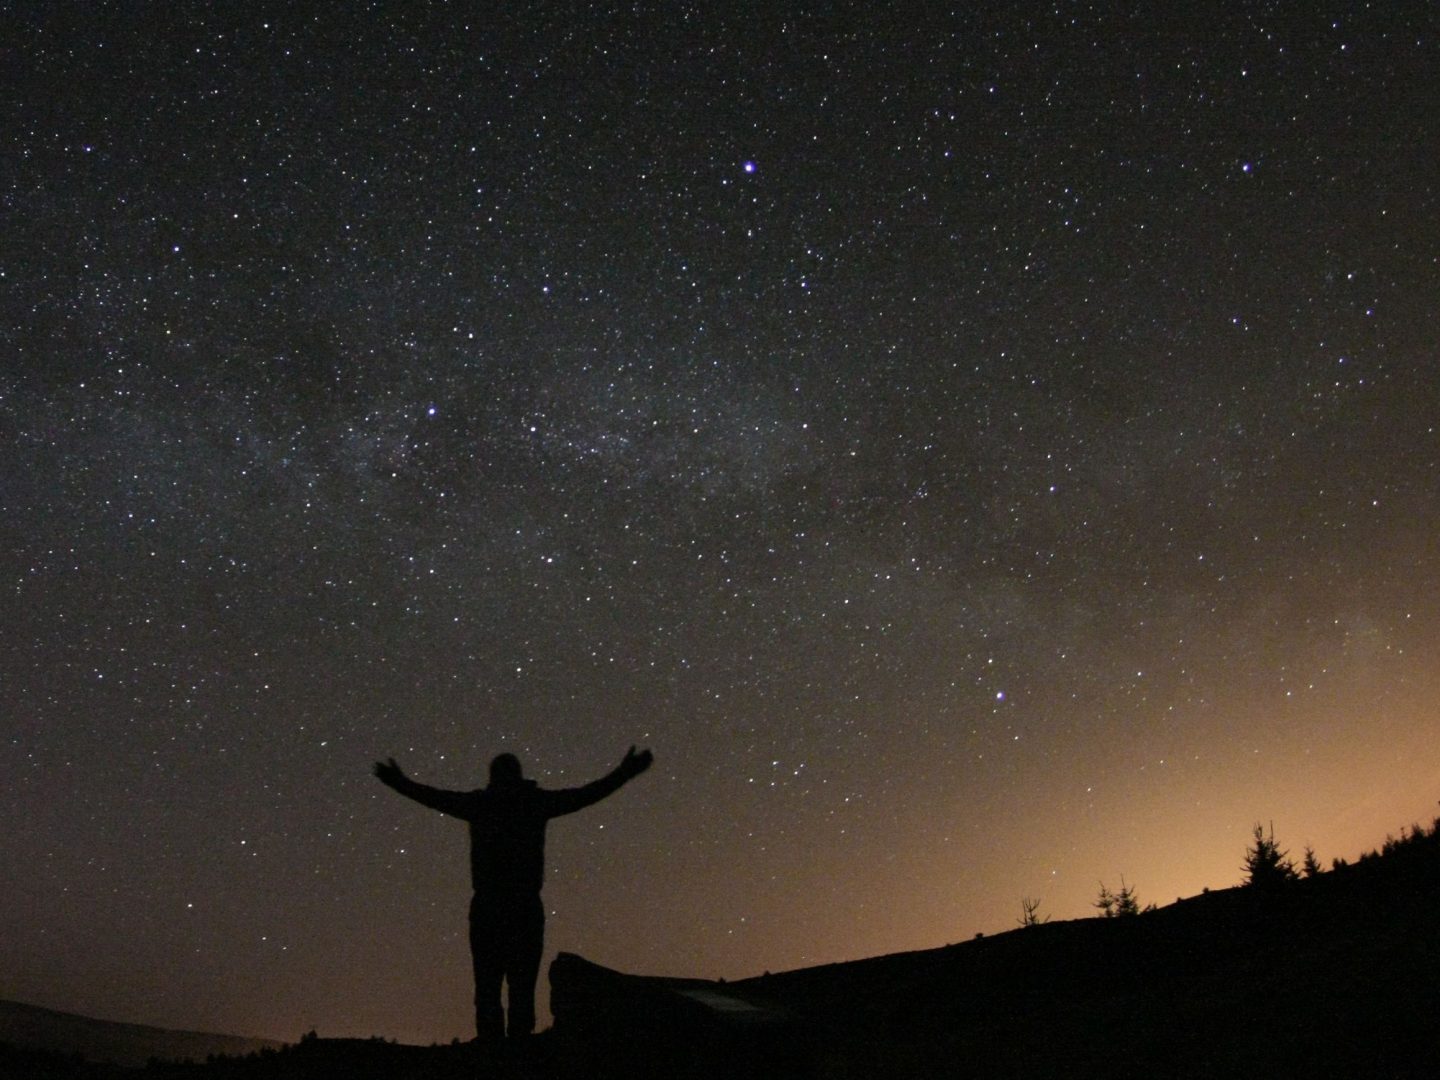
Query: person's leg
pixel 522 970
pixel 487 957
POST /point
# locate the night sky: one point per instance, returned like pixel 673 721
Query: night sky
pixel 981 453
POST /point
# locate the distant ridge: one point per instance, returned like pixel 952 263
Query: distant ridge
pixel 120 1044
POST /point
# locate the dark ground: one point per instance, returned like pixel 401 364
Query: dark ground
pixel 1335 976
pixel 1338 975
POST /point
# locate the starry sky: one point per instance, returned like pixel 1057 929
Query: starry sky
pixel 982 452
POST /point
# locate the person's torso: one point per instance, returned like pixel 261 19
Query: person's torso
pixel 507 841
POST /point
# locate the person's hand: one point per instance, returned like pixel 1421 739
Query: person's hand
pixel 388 772
pixel 634 764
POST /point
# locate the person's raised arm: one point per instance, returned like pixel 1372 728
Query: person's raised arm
pixel 568 800
pixel 447 802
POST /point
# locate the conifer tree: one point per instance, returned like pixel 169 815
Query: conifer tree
pixel 1126 902
pixel 1106 902
pixel 1266 866
pixel 1115 904
pixel 1030 912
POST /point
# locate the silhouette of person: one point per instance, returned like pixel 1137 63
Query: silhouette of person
pixel 507 864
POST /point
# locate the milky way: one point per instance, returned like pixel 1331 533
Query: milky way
pixel 980 454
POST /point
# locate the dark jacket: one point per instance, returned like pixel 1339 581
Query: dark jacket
pixel 507 826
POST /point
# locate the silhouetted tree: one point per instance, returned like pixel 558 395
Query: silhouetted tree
pixel 1115 904
pixel 1311 866
pixel 1266 866
pixel 1106 902
pixel 1029 912
pixel 1126 902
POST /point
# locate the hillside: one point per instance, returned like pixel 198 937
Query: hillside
pixel 1334 975
pixel 107 1041
pixel 1331 976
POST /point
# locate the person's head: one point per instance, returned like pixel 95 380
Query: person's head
pixel 505 769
